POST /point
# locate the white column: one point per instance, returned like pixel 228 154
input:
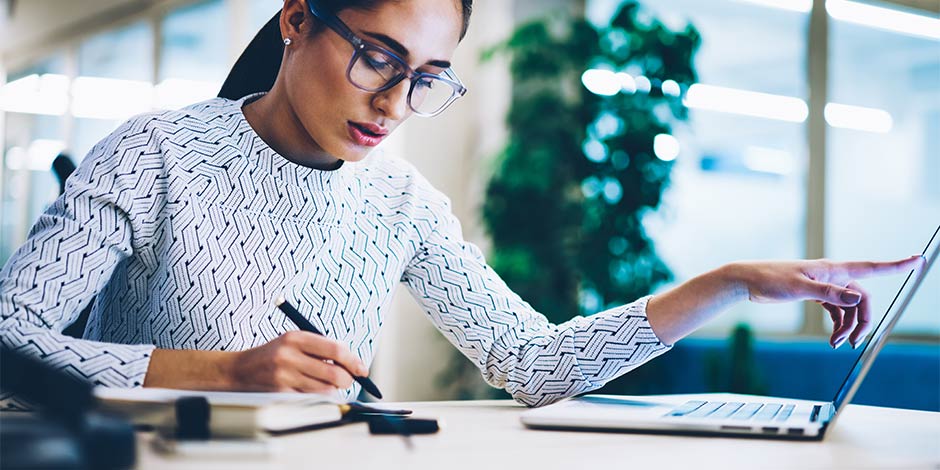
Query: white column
pixel 451 150
pixel 817 56
pixel 454 151
pixel 3 158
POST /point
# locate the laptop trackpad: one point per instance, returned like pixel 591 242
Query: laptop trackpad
pixel 601 411
pixel 619 401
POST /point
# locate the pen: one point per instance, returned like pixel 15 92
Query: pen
pixel 302 323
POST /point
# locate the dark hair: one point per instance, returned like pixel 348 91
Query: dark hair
pixel 258 65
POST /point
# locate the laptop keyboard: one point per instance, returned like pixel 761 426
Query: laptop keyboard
pixel 733 410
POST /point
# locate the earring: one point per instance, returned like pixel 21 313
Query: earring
pixel 286 41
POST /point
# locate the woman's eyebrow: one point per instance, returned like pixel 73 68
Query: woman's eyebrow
pixel 402 50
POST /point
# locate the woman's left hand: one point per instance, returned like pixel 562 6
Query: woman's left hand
pixel 832 284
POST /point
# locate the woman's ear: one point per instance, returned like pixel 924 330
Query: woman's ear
pixel 293 16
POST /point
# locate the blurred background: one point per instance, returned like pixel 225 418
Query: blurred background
pixel 610 150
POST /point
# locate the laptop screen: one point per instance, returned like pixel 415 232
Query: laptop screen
pixel 880 334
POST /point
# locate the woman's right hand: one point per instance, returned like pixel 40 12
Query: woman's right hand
pixel 296 361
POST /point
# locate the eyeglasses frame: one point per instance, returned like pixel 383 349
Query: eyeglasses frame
pixel 360 46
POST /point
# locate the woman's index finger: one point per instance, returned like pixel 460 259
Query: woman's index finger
pixel 862 269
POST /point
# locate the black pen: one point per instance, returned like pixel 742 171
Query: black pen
pixel 302 323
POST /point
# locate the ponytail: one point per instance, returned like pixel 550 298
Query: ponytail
pixel 257 67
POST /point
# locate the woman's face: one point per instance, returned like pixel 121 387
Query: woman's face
pixel 332 110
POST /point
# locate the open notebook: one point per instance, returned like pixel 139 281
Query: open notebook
pixel 231 414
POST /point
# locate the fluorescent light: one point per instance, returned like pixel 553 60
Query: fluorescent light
pixel 784 108
pixel 42 152
pixel 858 118
pixel 38 157
pixel 884 18
pixel 16 158
pixel 601 82
pixel 864 14
pixel 748 103
pixel 175 93
pixel 666 147
pixel 34 94
pixel 768 160
pixel 109 98
pixel 801 6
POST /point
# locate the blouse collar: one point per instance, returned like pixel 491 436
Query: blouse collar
pixel 262 156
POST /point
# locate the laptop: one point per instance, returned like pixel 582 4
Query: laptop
pixel 725 413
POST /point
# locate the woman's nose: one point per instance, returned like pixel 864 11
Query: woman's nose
pixel 393 103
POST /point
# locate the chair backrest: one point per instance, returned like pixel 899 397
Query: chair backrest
pixel 62 167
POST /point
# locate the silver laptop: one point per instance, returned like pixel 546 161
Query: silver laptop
pixel 730 414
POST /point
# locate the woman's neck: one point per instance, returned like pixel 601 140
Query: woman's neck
pixel 274 120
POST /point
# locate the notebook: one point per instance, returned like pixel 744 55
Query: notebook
pixel 732 414
pixel 232 414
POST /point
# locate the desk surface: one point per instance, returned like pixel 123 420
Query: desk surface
pixel 488 434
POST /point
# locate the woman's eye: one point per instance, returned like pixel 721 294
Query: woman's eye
pixel 378 63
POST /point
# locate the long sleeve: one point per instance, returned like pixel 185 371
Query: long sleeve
pixel 70 255
pixel 515 347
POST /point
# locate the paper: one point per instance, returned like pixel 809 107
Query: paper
pixel 247 399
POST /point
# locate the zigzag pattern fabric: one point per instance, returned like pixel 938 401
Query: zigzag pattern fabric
pixel 182 226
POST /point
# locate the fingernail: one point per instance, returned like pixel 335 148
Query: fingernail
pixel 838 343
pixel 855 345
pixel 851 297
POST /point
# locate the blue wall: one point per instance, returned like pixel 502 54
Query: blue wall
pixel 903 375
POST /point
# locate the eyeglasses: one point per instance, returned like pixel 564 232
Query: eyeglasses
pixel 374 69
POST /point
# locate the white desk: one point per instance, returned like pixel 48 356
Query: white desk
pixel 483 435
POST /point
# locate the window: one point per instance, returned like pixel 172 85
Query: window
pixel 260 12
pixel 35 101
pixel 50 107
pixel 191 50
pixel 113 83
pixel 740 180
pixel 883 162
pixel 194 58
pixel 738 186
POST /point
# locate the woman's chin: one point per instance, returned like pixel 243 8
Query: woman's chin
pixel 354 155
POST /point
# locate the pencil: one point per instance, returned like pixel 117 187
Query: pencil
pixel 294 316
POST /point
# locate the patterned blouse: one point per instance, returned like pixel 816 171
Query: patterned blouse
pixel 183 226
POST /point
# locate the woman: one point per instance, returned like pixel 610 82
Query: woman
pixel 185 225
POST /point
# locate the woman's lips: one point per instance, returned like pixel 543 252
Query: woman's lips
pixel 366 134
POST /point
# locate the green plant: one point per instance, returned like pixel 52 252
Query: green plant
pixel 735 369
pixel 564 205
